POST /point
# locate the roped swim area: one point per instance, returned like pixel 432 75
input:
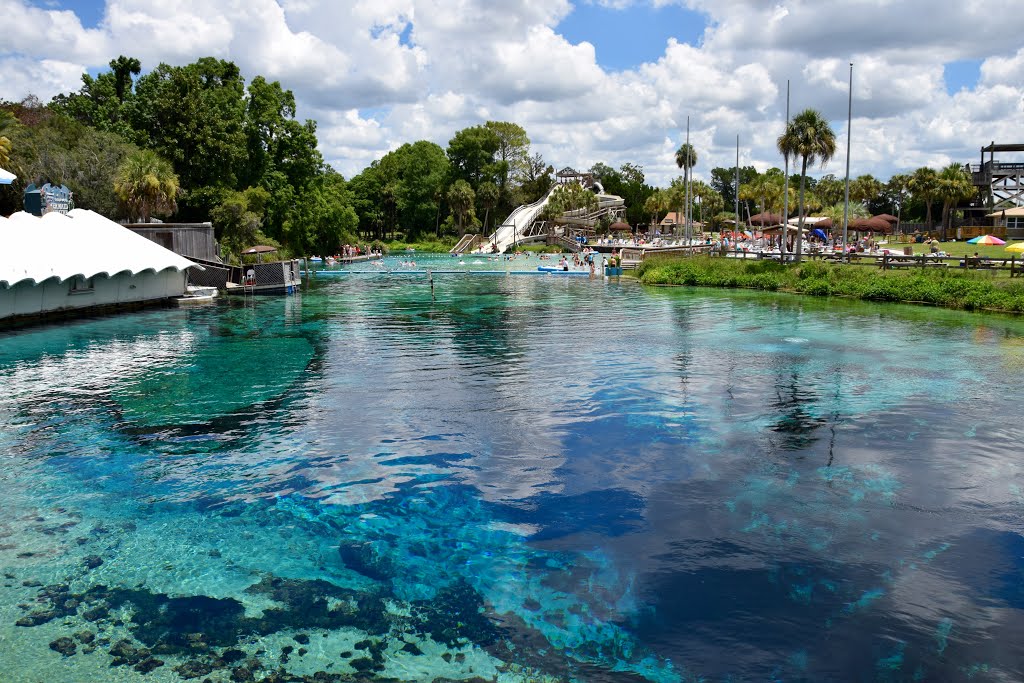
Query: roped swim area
pixel 513 479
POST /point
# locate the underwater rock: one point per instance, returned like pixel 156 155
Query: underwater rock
pixel 361 664
pixel 147 665
pixel 302 638
pixel 31 583
pixel 124 652
pixel 92 561
pixel 193 669
pixel 242 675
pixel 367 559
pixel 95 613
pixel 37 618
pixel 412 649
pixel 456 614
pixel 85 637
pixel 232 655
pixel 64 645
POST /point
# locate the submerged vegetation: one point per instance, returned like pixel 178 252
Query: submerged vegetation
pixel 952 288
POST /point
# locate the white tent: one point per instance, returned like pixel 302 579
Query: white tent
pixel 81 260
pixel 1015 212
pixel 6 177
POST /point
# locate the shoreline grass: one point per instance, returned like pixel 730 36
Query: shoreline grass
pixel 950 288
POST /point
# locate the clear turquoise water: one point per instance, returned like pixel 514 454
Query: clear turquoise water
pixel 523 478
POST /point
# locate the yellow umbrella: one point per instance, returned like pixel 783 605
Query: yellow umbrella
pixel 1016 247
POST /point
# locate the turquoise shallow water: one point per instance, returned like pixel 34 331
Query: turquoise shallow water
pixel 517 479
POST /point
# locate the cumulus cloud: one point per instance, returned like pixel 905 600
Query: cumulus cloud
pixel 378 73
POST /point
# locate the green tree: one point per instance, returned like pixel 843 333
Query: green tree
pixel 709 201
pixel 323 219
pixel 487 195
pixel 123 68
pixel 194 115
pixel 238 218
pixel 570 198
pixel 471 154
pixel 461 198
pixel 954 186
pixel 810 137
pixel 147 185
pixel 7 123
pixel 830 190
pixel 897 192
pixel 924 185
pixel 865 188
pixel 686 159
pixel 511 157
pixel 723 181
pixel 535 180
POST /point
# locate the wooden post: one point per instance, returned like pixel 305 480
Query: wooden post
pixel 885 262
pixel 1013 259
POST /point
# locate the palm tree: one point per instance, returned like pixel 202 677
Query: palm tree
pixel 461 198
pixel 146 185
pixel 488 194
pixel 686 158
pixel 897 190
pixel 865 188
pixel 924 184
pixel 810 137
pixel 7 120
pixel 954 185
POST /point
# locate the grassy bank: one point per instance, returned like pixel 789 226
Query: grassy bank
pixel 435 246
pixel 952 288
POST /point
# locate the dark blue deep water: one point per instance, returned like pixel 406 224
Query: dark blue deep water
pixel 522 479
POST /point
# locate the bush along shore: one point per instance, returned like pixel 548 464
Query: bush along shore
pixel 952 288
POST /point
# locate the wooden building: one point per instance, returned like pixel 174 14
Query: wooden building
pixel 191 240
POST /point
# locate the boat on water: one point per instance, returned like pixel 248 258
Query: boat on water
pixel 196 295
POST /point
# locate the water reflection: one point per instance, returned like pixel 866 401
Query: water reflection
pixel 609 483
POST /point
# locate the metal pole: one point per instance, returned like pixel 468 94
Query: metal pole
pixel 785 196
pixel 846 200
pixel 736 227
pixel 686 211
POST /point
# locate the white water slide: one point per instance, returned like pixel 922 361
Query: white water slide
pixel 511 231
pixel 515 227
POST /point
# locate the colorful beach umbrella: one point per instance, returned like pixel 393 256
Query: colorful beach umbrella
pixel 1016 247
pixel 986 239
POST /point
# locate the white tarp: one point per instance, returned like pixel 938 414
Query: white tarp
pixel 6 177
pixel 81 243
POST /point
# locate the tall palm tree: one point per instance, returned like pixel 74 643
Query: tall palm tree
pixel 461 198
pixel 897 190
pixel 810 137
pixel 686 158
pixel 146 184
pixel 924 184
pixel 954 186
pixel 488 194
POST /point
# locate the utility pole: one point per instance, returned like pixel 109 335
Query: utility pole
pixel 785 197
pixel 846 201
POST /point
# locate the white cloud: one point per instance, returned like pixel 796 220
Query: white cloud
pixel 378 73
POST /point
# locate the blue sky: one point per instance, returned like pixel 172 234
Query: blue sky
pixel 626 38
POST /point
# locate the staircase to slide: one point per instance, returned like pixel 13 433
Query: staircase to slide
pixel 465 244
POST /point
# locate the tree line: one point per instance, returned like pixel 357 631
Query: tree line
pixel 198 143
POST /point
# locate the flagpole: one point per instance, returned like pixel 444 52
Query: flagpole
pixel 686 212
pixel 737 196
pixel 785 198
pixel 846 200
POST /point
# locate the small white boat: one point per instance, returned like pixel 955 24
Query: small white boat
pixel 196 295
